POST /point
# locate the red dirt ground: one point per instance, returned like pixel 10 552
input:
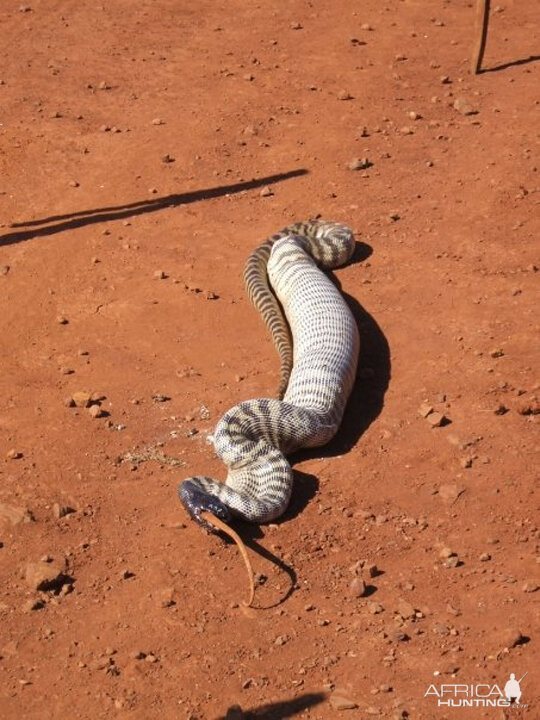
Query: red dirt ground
pixel 136 138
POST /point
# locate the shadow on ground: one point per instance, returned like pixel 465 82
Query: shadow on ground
pixel 60 223
pixel 275 711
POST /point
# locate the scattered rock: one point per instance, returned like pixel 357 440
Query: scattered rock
pixel 296 26
pixel 374 608
pixel 96 412
pixel 464 107
pixel 14 454
pixel 425 409
pixel 446 552
pixel 158 121
pixel 340 701
pixel 62 320
pixel 81 398
pixel 357 588
pixel 15 515
pixel 4 269
pixel 496 353
pixel 167 159
pixel 60 511
pixel 359 164
pixel 159 275
pixel 45 575
pixel 344 95
pixel 266 192
pixel 510 637
pixel 450 492
pixel 530 587
pixel 484 557
pixel 405 609
pixel 437 419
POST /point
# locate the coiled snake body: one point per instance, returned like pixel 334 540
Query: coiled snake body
pixel 254 437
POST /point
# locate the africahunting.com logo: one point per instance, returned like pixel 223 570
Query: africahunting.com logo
pixel 478 694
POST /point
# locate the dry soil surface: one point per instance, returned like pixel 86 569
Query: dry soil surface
pixel 146 148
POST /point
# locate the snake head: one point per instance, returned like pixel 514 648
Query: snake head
pixel 196 500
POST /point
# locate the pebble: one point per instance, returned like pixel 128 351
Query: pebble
pixel 436 419
pixel 95 411
pixel 74 183
pixel 60 511
pixel 530 587
pixel 4 269
pixel 158 121
pixel 510 637
pixel 450 492
pixel 359 164
pixel 496 353
pixel 167 159
pixel 66 370
pixel 339 701
pixel 81 398
pixel 446 552
pixel 466 463
pixel 44 575
pixel 266 192
pixel 425 409
pixel 14 454
pixel 405 609
pixel 69 402
pixel 357 588
pixel 374 608
pixel 15 515
pixel 464 107
pixel 62 320
pixel 484 557
pixel 406 130
pixel 159 275
pixel 344 95
pixel 296 26
pixel 367 27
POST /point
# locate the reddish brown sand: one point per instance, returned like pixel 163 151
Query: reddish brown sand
pixel 136 139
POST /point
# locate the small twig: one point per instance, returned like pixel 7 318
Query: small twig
pixel 482 20
pixel 238 540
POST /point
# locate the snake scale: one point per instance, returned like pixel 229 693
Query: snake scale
pixel 318 369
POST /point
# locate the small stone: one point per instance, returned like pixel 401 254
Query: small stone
pixel 484 557
pixel 446 552
pixel 165 598
pixel 425 409
pixel 436 419
pixel 452 562
pixel 4 269
pixel 394 216
pixel 405 609
pixel 158 121
pixel 167 159
pixel 359 164
pixel 66 370
pixel 357 588
pixel 151 658
pixel 159 275
pixel 344 95
pixel 45 576
pixel 296 26
pixel 501 409
pixel 450 492
pixel 529 587
pixel 81 398
pixel 466 463
pixel 496 353
pixel 69 402
pixel 104 128
pixel 510 637
pixel 96 412
pixel 74 183
pixel 14 515
pixel 463 107
pixel 281 640
pixel 372 570
pixel 445 80
pixel 367 27
pixel 339 701
pixel 406 130
pixel 14 454
pixel 266 192
pixel 414 115
pixel 374 608
pixel 60 511
pixel 32 604
pixel 61 320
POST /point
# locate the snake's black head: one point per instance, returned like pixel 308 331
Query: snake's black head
pixel 196 500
